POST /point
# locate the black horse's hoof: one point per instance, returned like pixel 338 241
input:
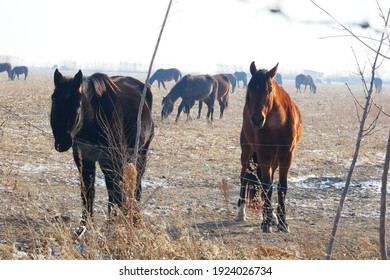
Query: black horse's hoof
pixel 266 228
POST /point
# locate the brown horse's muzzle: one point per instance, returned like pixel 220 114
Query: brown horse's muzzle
pixel 258 122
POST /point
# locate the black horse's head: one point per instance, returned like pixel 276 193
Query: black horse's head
pixel 167 107
pixel 66 115
pixel 259 95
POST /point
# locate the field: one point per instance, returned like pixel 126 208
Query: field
pixel 191 185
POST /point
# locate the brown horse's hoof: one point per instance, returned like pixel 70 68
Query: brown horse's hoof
pixel 283 228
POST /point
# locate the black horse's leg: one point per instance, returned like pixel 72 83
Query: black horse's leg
pixel 112 177
pixel 181 106
pixel 210 111
pixel 87 170
pixel 200 105
pixel 163 84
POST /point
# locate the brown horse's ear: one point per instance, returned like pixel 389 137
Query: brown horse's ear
pixel 271 73
pixel 78 79
pixel 57 77
pixel 253 68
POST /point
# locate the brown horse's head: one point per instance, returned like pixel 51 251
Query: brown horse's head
pixel 65 115
pixel 259 96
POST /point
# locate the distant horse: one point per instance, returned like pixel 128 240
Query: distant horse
pixel 378 85
pixel 19 70
pixel 165 75
pixel 241 76
pixel 203 88
pixel 6 67
pixel 278 79
pixel 223 92
pixel 271 129
pixel 233 81
pixel 306 81
pixel 97 117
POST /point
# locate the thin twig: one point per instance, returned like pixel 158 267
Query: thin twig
pixel 143 97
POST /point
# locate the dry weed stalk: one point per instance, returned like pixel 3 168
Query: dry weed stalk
pixel 224 189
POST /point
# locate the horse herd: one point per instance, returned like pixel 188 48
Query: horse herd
pixel 13 72
pixel 97 117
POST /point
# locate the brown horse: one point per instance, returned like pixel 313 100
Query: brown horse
pixel 165 75
pixel 223 92
pixel 305 80
pixel 97 116
pixel 6 67
pixel 271 129
pixel 19 70
pixel 203 88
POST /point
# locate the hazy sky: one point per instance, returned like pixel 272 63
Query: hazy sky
pixel 199 33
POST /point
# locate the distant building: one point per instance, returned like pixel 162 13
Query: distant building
pixel 314 74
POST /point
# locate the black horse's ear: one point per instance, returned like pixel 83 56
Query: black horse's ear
pixel 57 77
pixel 252 68
pixel 78 79
pixel 272 73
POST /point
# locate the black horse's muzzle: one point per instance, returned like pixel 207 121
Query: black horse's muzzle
pixel 63 144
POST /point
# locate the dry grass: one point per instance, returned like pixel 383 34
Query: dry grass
pixel 190 187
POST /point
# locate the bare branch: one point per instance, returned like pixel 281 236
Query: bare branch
pixel 353 34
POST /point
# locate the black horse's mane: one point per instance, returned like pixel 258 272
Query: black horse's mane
pixel 100 84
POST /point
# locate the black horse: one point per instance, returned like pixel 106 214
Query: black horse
pixel 97 117
pixel 378 85
pixel 232 80
pixel 6 67
pixel 165 75
pixel 203 88
pixel 305 80
pixel 19 70
pixel 241 76
pixel 279 79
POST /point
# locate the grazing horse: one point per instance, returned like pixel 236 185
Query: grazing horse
pixel 305 80
pixel 19 70
pixel 203 88
pixel 97 117
pixel 241 76
pixel 378 85
pixel 271 129
pixel 232 80
pixel 223 92
pixel 165 75
pixel 6 67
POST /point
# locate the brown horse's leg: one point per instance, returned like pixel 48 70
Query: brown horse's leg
pixel 266 185
pixel 282 192
pixel 221 107
pixel 246 155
